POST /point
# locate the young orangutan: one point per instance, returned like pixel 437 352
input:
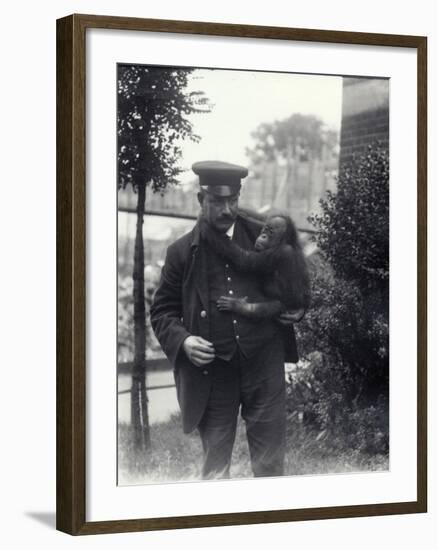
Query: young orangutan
pixel 278 257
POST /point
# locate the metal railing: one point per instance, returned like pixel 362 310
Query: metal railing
pixel 164 213
pixel 151 365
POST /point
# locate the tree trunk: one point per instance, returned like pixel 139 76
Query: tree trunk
pixel 139 401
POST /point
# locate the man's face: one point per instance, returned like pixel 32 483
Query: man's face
pixel 272 233
pixel 220 212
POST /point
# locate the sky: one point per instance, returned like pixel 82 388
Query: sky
pixel 244 99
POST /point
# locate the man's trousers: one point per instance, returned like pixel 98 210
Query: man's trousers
pixel 256 385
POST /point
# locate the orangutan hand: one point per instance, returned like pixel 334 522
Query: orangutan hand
pixel 288 318
pixel 238 305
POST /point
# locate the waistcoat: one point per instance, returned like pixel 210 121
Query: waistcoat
pixel 227 329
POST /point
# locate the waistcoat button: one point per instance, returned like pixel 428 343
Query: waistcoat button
pixel 203 314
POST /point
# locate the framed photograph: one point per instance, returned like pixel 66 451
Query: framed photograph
pixel 241 274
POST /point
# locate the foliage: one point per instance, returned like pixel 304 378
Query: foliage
pixel 350 329
pixel 153 110
pixel 319 403
pixel 299 136
pixel 125 323
pixel 345 333
pixel 125 320
pixel 125 309
pixel 353 228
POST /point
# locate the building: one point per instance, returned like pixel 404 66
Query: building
pixel 365 115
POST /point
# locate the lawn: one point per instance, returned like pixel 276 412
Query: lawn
pixel 176 456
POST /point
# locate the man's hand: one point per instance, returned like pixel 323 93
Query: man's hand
pixel 199 351
pixel 288 318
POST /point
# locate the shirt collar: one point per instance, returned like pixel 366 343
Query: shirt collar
pixel 196 234
pixel 230 231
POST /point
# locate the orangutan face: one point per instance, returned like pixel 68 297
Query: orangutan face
pixel 272 233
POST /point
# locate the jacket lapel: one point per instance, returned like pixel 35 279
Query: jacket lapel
pixel 241 235
pixel 198 268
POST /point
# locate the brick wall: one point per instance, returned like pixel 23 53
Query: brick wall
pixel 365 115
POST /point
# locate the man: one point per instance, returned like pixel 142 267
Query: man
pixel 221 361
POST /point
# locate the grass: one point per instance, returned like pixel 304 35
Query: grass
pixel 176 456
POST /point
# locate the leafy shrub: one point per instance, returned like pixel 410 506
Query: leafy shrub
pixel 353 229
pixel 345 334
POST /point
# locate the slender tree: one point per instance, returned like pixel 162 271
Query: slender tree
pixel 153 120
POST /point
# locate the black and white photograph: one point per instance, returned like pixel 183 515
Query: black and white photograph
pixel 253 274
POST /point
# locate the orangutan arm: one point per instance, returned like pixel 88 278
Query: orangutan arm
pixel 289 284
pixel 256 310
pixel 243 260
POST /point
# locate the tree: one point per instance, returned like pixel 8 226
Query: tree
pixel 298 136
pixel 152 116
pixel 292 163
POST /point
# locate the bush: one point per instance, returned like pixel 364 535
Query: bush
pixel 353 229
pixel 345 334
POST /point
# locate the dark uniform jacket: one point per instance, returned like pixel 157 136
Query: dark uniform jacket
pixel 181 308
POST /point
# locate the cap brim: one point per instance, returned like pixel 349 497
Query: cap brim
pixel 222 190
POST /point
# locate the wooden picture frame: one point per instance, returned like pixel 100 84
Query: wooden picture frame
pixel 71 273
